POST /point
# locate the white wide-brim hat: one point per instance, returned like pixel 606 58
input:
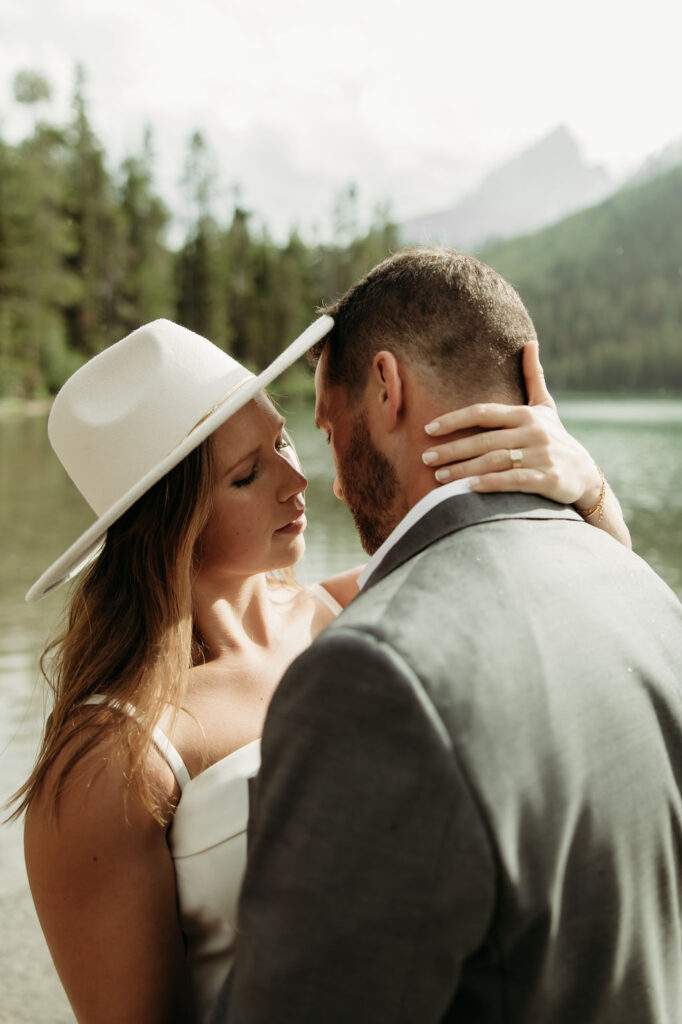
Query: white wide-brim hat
pixel 134 411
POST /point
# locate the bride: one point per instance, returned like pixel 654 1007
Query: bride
pixel 175 638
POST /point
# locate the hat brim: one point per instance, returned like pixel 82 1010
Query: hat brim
pixel 86 548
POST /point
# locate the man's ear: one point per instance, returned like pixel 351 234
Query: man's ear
pixel 388 388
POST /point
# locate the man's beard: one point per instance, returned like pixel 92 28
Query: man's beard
pixel 370 484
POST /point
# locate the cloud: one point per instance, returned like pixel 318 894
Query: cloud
pixel 298 100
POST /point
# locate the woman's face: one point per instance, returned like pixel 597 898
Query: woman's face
pixel 257 519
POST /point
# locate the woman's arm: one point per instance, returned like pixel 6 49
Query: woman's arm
pixel 554 464
pixel 103 884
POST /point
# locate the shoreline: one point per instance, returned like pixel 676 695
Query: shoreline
pixel 24 407
pixel 302 393
pixel 299 389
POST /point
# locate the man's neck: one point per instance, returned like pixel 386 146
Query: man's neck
pixel 429 500
pixel 421 485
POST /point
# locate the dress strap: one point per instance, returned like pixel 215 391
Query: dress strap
pixel 326 598
pixel 161 741
pixel 173 759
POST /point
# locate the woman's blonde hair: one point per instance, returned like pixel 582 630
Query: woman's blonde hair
pixel 128 634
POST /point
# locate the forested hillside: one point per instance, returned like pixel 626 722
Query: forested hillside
pixel 84 259
pixel 605 289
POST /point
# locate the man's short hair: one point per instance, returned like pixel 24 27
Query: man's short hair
pixel 455 320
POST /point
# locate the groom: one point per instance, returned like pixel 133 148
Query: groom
pixel 469 807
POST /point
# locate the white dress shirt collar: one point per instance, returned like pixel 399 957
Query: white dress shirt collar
pixel 417 512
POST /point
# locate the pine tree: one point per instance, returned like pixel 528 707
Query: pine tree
pixel 35 243
pixel 98 260
pixel 147 284
pixel 201 300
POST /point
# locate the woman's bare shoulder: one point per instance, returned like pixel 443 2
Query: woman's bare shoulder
pixel 87 786
pixel 343 587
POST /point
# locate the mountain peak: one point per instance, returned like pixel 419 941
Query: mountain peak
pixel 561 135
pixel 536 187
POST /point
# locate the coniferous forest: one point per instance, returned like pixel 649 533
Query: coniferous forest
pixel 85 259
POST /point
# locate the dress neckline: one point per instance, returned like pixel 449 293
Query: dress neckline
pixel 168 751
pixel 217 765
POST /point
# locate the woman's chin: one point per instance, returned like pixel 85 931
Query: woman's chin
pixel 294 553
pixel 298 550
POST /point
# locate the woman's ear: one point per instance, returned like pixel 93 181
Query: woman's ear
pixel 389 391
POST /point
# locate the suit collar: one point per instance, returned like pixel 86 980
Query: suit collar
pixel 410 519
pixel 458 513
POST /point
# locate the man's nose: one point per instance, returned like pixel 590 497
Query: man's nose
pixel 338 490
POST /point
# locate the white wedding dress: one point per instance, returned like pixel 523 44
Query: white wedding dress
pixel 207 840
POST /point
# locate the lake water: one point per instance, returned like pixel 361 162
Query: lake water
pixel 638 443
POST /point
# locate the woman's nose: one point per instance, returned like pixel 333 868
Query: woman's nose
pixel 295 482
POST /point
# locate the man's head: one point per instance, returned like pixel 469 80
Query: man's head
pixel 426 330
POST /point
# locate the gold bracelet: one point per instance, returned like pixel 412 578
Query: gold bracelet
pixel 599 507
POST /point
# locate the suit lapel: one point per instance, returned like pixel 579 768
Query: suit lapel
pixel 460 512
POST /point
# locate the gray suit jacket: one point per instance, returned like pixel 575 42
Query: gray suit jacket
pixel 469 807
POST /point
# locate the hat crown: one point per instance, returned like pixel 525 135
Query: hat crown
pixel 130 406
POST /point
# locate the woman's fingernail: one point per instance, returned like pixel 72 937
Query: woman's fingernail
pixel 442 475
pixel 431 428
pixel 429 457
pixel 474 482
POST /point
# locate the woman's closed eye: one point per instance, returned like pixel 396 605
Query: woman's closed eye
pixel 280 445
pixel 246 480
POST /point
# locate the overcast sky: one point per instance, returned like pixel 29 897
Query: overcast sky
pixel 299 97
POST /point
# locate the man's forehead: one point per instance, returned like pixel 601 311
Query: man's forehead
pixel 331 400
pixel 321 394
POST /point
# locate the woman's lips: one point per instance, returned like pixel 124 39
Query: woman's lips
pixel 296 525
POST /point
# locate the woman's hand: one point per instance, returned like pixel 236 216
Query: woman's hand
pixel 552 463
